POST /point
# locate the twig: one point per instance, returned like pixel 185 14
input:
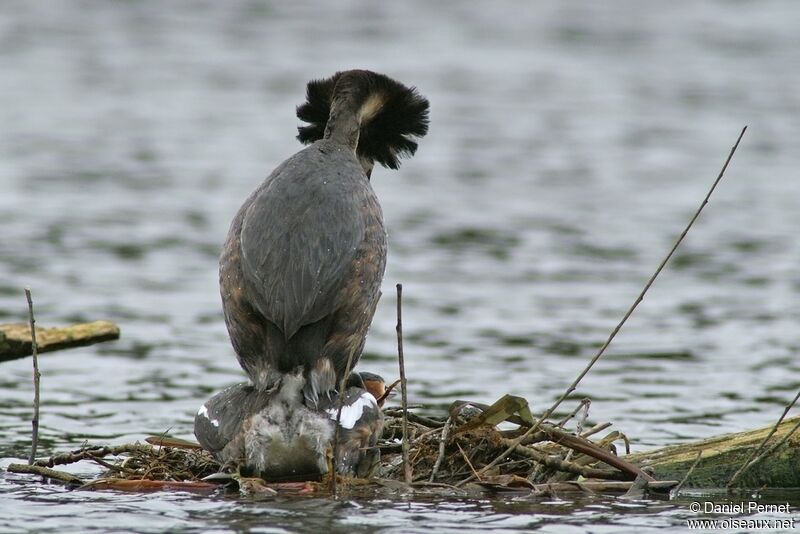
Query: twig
pixel 595 429
pixel 471 468
pixel 559 464
pixel 111 467
pixel 425 434
pixel 574 412
pixel 584 414
pixel 442 444
pixel 397 412
pixel 688 474
pixel 588 448
pixel 94 452
pixel 170 441
pixel 36 377
pixel 530 440
pixel 766 453
pixel 403 384
pixel 614 332
pixel 415 418
pixel 757 450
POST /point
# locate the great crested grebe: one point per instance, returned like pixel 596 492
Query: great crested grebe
pixel 301 269
pixel 300 277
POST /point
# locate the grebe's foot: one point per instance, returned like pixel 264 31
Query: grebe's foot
pixel 320 383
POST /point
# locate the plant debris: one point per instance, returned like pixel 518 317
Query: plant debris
pixel 445 454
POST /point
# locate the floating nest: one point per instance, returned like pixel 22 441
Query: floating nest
pixel 475 448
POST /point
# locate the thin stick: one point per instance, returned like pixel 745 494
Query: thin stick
pixel 588 448
pixel 614 332
pixel 339 405
pixel 94 452
pixel 442 444
pixel 595 429
pixel 574 412
pixel 688 474
pixel 557 463
pixel 466 459
pixel 403 384
pixel 36 377
pixel 584 414
pixel 757 450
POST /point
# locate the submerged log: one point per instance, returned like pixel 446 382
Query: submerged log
pixel 722 456
pixel 142 486
pixel 15 339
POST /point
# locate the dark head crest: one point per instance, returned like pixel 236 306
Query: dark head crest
pixel 396 116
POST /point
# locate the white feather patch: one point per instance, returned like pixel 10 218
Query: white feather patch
pixel 203 411
pixel 351 413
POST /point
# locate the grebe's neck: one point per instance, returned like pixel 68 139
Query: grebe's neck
pixel 355 101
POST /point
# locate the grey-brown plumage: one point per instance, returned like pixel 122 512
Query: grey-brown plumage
pixel 301 269
pixel 272 434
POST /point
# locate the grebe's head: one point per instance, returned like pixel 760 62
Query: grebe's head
pixel 374 384
pixel 388 115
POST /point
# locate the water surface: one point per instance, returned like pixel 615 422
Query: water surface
pixel 569 144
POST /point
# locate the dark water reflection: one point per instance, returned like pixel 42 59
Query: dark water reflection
pixel 568 146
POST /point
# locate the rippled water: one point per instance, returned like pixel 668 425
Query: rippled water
pixel 569 145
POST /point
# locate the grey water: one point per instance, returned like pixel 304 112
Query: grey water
pixel 569 144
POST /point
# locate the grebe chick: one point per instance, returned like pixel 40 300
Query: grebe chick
pixel 360 425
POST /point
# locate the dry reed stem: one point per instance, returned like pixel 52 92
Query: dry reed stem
pixel 584 446
pixel 407 474
pixel 471 468
pixel 574 412
pixel 442 446
pixel 95 452
pixel 595 429
pixel 561 465
pixel 36 379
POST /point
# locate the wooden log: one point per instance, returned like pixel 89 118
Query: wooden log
pixel 505 482
pixel 15 339
pixel 722 456
pixel 133 485
pixel 62 476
